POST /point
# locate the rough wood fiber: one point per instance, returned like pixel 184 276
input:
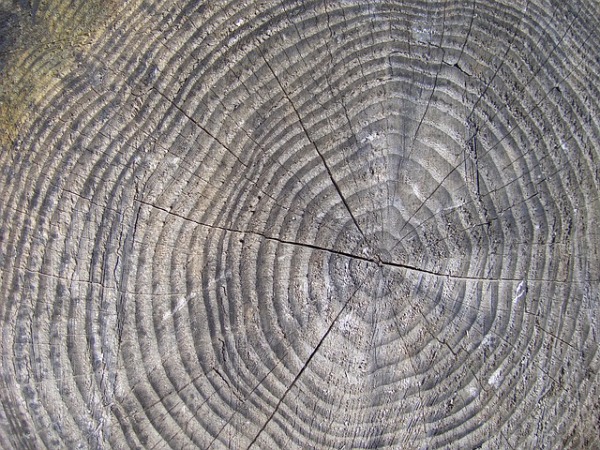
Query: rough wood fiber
pixel 309 225
pixel 38 46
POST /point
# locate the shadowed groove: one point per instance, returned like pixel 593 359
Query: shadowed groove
pixel 305 225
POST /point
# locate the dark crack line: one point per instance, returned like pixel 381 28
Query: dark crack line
pixel 189 169
pixel 538 70
pixel 304 367
pixel 246 398
pixel 375 260
pixel 343 104
pixel 330 88
pixel 450 210
pixel 462 49
pixel 239 126
pixel 508 49
pixel 312 142
pixel 435 82
pixel 196 123
pixel 469 118
pixel 499 188
pixel 349 255
pixel 412 145
pixel 456 167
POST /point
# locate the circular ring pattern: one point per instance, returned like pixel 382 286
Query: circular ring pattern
pixel 309 225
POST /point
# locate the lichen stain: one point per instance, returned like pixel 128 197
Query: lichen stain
pixel 39 42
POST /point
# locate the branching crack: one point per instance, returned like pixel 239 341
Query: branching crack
pixel 373 260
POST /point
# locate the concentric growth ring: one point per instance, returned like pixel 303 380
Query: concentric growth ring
pixel 309 225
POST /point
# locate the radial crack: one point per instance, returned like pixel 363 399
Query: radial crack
pixel 312 142
pixel 374 260
pixel 297 377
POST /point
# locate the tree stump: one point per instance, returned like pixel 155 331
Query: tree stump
pixel 316 224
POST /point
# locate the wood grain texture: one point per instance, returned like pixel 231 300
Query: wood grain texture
pixel 308 225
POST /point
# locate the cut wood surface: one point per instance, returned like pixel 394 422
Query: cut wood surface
pixel 316 224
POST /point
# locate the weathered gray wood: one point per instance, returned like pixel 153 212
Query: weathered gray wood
pixel 305 225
